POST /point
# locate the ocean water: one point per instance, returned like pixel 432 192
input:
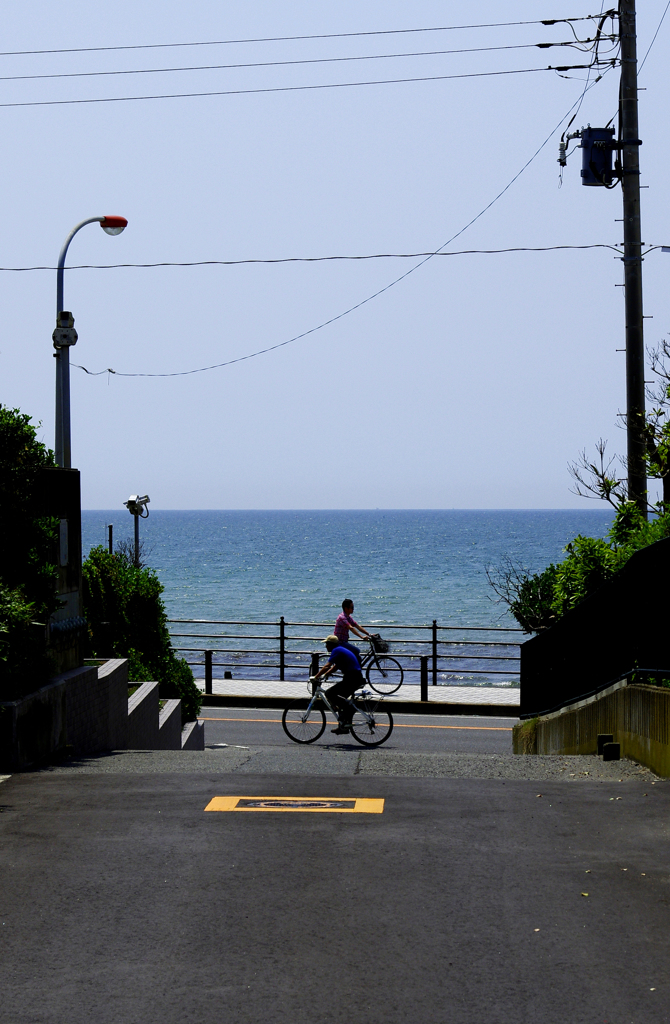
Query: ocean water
pixel 399 567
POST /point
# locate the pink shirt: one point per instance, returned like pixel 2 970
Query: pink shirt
pixel 342 626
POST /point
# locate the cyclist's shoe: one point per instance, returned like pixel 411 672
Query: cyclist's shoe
pixel 340 730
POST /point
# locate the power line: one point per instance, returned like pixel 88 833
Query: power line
pixel 655 34
pixel 285 39
pixel 318 259
pixel 290 88
pixel 290 63
pixel 369 298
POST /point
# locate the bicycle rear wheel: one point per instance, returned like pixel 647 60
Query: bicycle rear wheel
pixel 372 725
pixel 301 725
pixel 385 675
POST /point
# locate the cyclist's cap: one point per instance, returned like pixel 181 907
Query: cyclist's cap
pixel 332 641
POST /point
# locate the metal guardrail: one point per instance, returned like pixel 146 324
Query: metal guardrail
pixel 447 654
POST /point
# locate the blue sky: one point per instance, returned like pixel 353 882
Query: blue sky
pixel 471 384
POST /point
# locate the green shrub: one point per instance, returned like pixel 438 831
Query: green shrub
pixel 537 601
pixel 28 575
pixel 631 531
pixel 24 662
pixel 127 619
pixel 590 562
pixel 533 605
pixel 26 537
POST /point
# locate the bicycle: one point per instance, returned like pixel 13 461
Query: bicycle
pixel 383 674
pixel 370 725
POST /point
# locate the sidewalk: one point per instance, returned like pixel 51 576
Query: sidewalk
pixel 451 699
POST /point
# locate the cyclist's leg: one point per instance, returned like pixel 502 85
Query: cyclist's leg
pixel 349 683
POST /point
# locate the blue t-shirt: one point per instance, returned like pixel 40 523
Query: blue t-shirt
pixel 346 661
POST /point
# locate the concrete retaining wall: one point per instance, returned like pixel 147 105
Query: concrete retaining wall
pixel 143 712
pixel 193 736
pixel 97 709
pixel 33 728
pixel 85 710
pixel 622 624
pixel 637 716
pixel 169 726
pixel 115 672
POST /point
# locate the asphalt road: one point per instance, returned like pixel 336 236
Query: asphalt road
pixel 467 900
pixel 417 733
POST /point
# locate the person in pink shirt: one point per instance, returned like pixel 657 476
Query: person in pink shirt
pixel 346 623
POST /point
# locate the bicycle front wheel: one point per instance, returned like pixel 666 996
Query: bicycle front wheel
pixel 371 725
pixel 385 675
pixel 301 725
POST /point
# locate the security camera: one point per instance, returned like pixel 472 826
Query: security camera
pixel 137 505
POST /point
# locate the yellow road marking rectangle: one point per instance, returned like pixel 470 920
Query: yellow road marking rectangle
pixel 338 805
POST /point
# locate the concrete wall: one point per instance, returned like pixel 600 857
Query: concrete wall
pixel 169 726
pixel 622 625
pixel 143 710
pixel 193 736
pixel 33 728
pixel 115 672
pixel 637 716
pixel 84 709
pixel 87 710
pixel 97 707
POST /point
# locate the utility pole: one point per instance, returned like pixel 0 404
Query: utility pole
pixel 632 258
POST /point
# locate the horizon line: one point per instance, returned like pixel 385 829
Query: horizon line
pixel 331 510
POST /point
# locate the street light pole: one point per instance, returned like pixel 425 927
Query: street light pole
pixel 64 337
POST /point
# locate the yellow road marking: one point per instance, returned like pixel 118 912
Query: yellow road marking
pixel 396 725
pixel 293 804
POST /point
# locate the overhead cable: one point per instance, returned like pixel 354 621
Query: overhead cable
pixel 317 259
pixel 644 59
pixel 375 295
pixel 291 63
pixel 289 88
pixel 286 39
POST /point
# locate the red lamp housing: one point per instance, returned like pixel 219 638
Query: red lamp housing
pixel 113 225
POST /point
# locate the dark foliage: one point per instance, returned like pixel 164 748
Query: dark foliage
pixel 529 596
pixel 26 536
pixel 538 600
pixel 27 571
pixel 127 619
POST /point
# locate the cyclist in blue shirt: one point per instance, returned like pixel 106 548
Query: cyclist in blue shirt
pixel 352 679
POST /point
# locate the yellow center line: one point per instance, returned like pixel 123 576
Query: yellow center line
pixel 396 725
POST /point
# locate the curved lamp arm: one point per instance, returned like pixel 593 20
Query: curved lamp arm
pixel 112 225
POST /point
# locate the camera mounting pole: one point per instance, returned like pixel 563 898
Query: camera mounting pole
pixel 137 506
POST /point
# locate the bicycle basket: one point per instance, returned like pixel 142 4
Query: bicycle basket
pixel 380 646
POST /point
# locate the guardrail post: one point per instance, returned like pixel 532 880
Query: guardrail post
pixel 424 677
pixel 434 652
pixel 314 667
pixel 208 671
pixel 282 650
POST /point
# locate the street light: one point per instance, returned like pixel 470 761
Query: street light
pixel 65 336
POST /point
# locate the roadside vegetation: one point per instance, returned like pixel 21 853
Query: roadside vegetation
pixel 127 619
pixel 538 600
pixel 28 572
